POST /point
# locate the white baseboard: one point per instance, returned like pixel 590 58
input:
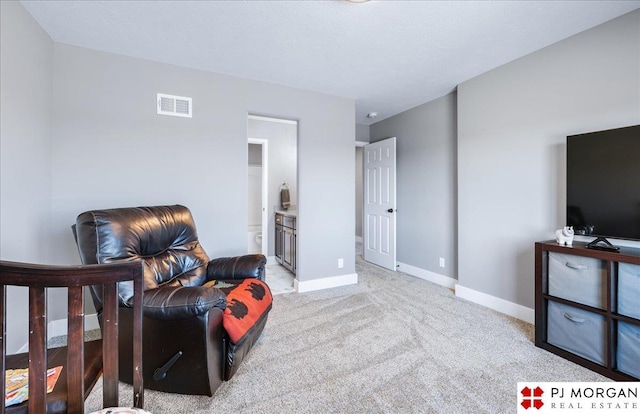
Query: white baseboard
pixel 91 322
pixel 503 306
pixel 427 275
pixel 58 327
pixel 325 283
pixel 509 308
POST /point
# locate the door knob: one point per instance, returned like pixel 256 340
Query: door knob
pixel 390 210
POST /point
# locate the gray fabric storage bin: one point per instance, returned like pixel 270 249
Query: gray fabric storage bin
pixel 629 290
pixel 628 353
pixel 577 278
pixel 576 330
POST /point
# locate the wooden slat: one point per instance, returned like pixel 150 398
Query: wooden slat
pixel 3 345
pixel 110 345
pixel 75 355
pixel 138 385
pixel 37 278
pixel 57 400
pixel 37 349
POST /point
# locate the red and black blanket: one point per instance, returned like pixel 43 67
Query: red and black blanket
pixel 246 303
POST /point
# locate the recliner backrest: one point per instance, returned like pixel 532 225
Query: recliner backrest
pixel 164 237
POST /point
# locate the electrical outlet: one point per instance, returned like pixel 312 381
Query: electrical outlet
pixel 340 263
pixel 442 262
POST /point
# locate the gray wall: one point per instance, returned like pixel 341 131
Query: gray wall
pixel 426 183
pixel 108 148
pixel 362 133
pixel 26 59
pixel 503 133
pixel 104 106
pixel 255 154
pixel 283 165
pixel 512 126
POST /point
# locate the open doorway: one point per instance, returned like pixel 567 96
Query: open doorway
pixel 273 165
pixel 258 196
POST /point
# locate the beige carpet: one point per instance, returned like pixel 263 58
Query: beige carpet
pixel 390 344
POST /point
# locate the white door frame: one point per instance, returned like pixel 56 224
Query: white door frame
pixel 361 144
pixel 265 191
pixel 379 215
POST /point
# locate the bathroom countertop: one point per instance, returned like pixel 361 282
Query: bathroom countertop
pixel 288 213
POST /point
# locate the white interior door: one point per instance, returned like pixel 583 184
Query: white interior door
pixel 380 203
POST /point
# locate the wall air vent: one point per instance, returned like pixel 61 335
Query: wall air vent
pixel 174 105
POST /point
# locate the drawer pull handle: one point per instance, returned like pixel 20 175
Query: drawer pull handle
pixel 574 318
pixel 577 266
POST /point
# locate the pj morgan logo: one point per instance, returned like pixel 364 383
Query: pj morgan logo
pixel 532 397
pixel 578 397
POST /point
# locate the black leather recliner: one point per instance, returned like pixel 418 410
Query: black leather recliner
pixel 186 348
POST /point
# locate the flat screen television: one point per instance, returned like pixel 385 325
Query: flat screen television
pixel 603 185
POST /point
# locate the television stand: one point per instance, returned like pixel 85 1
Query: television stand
pixel 588 307
pixel 600 243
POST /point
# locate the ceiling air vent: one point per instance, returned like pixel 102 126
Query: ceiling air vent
pixel 174 105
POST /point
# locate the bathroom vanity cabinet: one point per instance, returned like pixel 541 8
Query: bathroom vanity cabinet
pixel 588 307
pixel 286 240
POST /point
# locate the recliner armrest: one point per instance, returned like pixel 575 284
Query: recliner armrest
pixel 181 302
pixel 240 267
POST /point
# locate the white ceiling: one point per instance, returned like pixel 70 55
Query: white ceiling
pixel 389 55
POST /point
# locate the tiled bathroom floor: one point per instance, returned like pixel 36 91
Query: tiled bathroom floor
pixel 279 279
